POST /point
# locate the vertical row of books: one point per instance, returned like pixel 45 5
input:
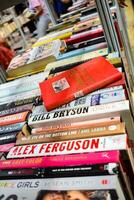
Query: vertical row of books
pixel 66 129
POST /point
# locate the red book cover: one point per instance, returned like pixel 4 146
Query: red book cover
pixel 77 82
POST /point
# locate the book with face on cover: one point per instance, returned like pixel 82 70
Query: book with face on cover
pixel 77 82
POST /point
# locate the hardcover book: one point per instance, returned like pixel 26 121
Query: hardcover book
pixel 108 143
pixel 96 187
pixel 78 82
pixel 97 131
pixel 11 128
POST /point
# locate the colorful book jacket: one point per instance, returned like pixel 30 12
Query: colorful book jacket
pixel 63 160
pixel 11 128
pixel 78 82
pixel 108 143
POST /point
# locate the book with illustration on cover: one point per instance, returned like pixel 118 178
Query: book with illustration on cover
pixel 79 81
pixel 34 59
pixel 106 187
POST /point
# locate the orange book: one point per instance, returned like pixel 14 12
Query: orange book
pixel 77 82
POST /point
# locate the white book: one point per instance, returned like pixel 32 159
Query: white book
pixel 79 114
pixel 99 97
pixel 100 187
pixel 22 85
pixel 21 96
pixel 97 144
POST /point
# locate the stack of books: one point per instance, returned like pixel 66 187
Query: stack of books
pixel 72 123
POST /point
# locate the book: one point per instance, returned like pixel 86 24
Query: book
pixel 79 114
pixel 62 161
pixel 77 83
pixel 74 61
pixel 82 133
pixel 10 105
pixel 99 187
pixel 20 96
pixel 11 128
pixel 85 43
pixel 35 59
pixel 74 126
pixel 82 51
pixel 13 119
pixel 85 36
pixel 6 147
pixel 21 85
pixel 91 99
pixel 15 110
pixel 8 138
pixel 107 143
pixel 78 171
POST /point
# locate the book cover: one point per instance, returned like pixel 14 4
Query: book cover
pixel 108 143
pixel 88 132
pixel 93 187
pixel 78 82
pixel 34 59
pixel 63 160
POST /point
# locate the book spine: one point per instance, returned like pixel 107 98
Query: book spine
pixel 22 102
pixel 77 59
pixel 82 51
pixel 18 97
pixel 21 85
pixel 11 128
pixel 79 114
pixel 13 119
pixel 7 147
pixel 18 109
pixel 63 160
pixel 99 97
pixel 8 138
pixel 90 170
pixel 97 131
pixel 73 126
pixel 108 143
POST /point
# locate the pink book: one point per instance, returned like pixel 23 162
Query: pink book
pixel 6 147
pixel 63 160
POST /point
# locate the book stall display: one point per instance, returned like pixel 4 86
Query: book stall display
pixel 66 117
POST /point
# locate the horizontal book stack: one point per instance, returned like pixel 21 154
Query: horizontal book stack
pixel 78 122
pixel 17 99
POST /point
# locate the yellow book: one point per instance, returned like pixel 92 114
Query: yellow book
pixel 45 41
pixel 34 59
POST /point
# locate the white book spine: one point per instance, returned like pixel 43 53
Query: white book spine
pixel 109 143
pixel 99 97
pixel 79 114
